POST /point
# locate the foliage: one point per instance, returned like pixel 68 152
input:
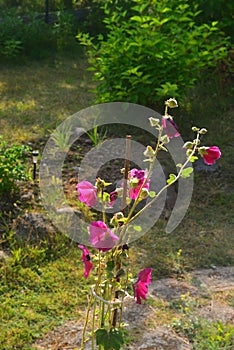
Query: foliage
pixel 27 6
pixel 214 336
pixel 159 51
pixel 217 10
pixel 204 335
pixel 12 165
pixel 30 36
pixel 94 23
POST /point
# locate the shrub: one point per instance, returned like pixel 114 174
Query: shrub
pixel 157 52
pixel 12 165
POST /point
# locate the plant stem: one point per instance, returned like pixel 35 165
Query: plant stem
pixel 168 185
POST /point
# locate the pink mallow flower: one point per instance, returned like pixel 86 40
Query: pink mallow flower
pixel 137 177
pixel 170 127
pixel 211 154
pixel 142 284
pixel 101 237
pixel 86 260
pixel 87 193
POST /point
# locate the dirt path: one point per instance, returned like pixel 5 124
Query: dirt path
pixel 211 288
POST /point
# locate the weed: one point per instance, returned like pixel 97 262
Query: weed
pixel 12 165
pixel 96 135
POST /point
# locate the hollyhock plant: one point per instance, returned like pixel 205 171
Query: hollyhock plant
pixel 87 193
pixel 137 178
pixel 86 260
pixel 171 129
pixel 210 154
pixel 142 284
pixel 101 237
pixel 111 236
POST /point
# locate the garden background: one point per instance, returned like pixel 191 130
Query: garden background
pixel 43 80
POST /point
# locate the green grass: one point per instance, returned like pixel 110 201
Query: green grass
pixel 36 295
pixel 33 301
pixel 37 97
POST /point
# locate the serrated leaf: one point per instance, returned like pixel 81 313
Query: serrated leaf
pixel 171 179
pixel 186 172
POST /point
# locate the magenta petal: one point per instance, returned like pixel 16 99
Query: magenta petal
pixel 101 237
pixel 88 268
pixel 145 275
pixel 87 193
pixel 212 154
pixel 140 175
pixel 141 286
pixel 170 127
pixel 140 291
pixel 86 260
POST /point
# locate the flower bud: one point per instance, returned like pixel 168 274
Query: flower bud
pixel 154 121
pixel 171 103
pixel 202 150
pixel 165 139
pixel 194 128
pixel 134 182
pixel 203 131
pixel 188 145
pixel 149 152
pixel 189 152
pixel 144 193
pixel 119 191
pixel 119 215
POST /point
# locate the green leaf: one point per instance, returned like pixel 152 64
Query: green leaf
pixel 102 338
pixel 187 172
pixel 171 179
pixel 106 197
pixel 109 340
pixel 116 339
pixel 137 228
pixel 152 194
pixel 110 265
pixel 193 158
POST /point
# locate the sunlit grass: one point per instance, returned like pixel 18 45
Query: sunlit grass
pixel 38 96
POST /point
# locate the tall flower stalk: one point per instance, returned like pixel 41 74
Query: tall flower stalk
pixel 111 264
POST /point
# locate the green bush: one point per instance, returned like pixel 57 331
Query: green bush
pixel 158 52
pixel 12 165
